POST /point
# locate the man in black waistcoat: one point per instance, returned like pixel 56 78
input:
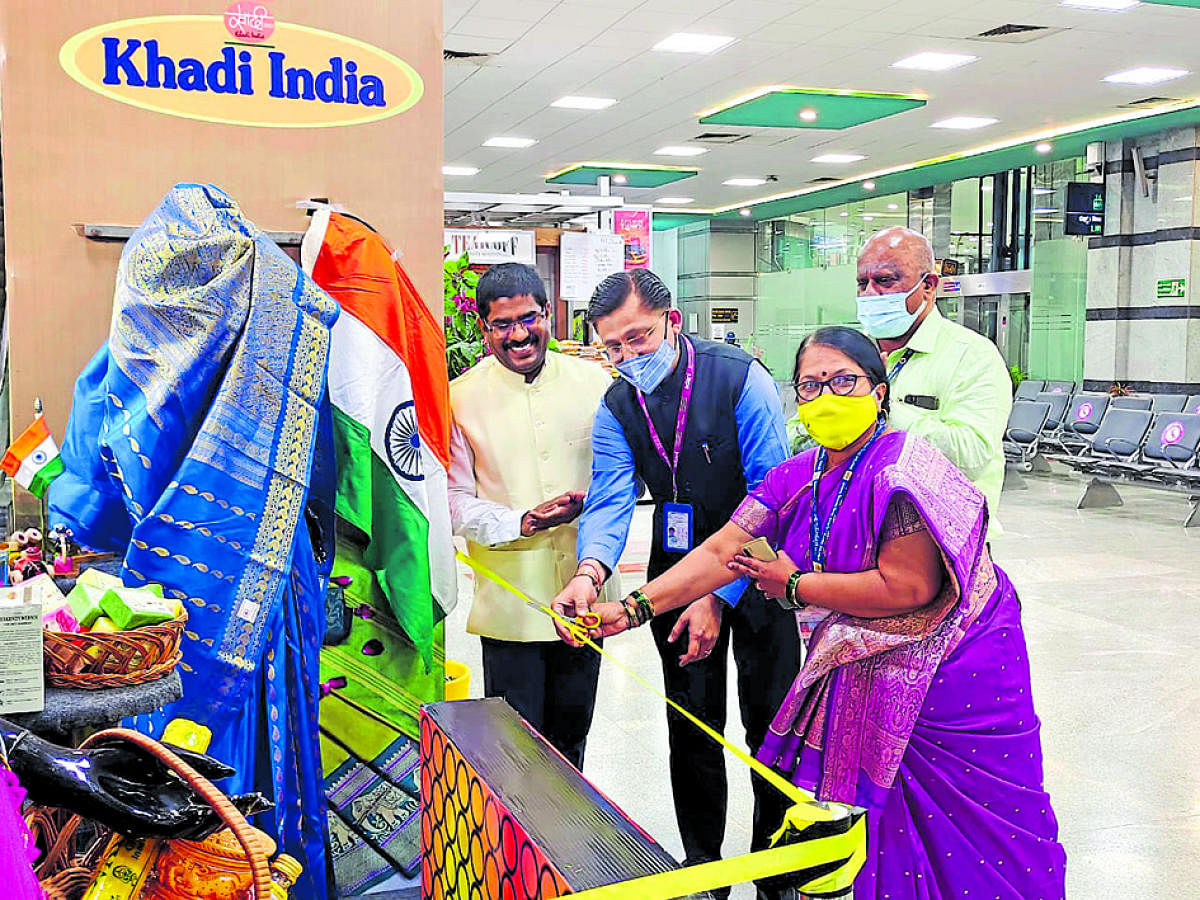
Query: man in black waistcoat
pixel 700 423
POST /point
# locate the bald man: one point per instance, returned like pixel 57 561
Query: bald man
pixel 949 384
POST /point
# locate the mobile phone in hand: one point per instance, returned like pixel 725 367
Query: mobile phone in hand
pixel 761 550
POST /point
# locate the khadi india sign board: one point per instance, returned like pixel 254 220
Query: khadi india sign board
pixel 241 68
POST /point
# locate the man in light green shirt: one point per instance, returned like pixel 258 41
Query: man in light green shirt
pixel 949 384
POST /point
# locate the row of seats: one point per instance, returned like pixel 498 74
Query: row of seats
pixel 1153 441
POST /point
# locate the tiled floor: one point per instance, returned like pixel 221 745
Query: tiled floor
pixel 1111 602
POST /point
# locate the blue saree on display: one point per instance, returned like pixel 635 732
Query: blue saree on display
pixel 195 449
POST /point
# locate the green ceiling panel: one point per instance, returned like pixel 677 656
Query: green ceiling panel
pixel 1194 4
pixel 955 168
pixel 667 221
pixel 781 108
pixel 637 175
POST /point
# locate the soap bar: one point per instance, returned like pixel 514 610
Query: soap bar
pixel 46 592
pixel 104 625
pixel 135 607
pixel 97 578
pixel 61 619
pixel 84 601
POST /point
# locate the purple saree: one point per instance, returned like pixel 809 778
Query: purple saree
pixel 925 719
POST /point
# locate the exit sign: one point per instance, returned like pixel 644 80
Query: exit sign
pixel 1171 288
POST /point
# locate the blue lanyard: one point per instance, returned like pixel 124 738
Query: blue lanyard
pixel 818 537
pixel 900 364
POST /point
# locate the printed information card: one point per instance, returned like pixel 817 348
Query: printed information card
pixel 22 688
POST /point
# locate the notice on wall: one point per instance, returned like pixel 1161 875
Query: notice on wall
pixel 727 314
pixel 21 684
pixel 633 225
pixel 492 246
pixel 586 259
pixel 1172 289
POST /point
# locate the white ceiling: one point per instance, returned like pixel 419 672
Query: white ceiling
pixel 545 49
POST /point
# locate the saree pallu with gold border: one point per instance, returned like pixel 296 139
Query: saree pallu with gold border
pixel 196 449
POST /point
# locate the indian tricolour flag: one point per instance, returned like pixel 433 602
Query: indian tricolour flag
pixel 391 406
pixel 32 460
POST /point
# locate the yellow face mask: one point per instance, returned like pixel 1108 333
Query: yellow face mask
pixel 837 422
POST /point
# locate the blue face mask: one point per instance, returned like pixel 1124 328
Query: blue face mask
pixel 648 371
pixel 887 315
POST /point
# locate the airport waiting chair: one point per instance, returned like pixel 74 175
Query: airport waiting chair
pixel 1059 387
pixel 1082 421
pixel 1058 409
pixel 1025 425
pixel 1168 403
pixel 1131 403
pixel 1193 405
pixel 1028 389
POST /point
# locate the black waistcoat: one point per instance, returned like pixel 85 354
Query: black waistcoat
pixel 710 477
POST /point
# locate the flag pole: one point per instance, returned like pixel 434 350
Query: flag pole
pixel 37 411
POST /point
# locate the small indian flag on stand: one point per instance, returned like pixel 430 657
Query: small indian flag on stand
pixel 32 460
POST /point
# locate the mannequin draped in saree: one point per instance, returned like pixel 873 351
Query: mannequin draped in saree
pixel 925 719
pixel 192 450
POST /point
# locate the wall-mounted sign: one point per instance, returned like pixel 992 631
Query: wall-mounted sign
pixel 585 259
pixel 1172 289
pixel 489 246
pixel 1085 209
pixel 951 286
pixel 725 314
pixel 198 68
pixel 633 225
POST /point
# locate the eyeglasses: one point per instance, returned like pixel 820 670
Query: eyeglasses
pixel 504 327
pixel 842 385
pixel 637 345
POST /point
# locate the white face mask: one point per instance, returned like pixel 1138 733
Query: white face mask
pixel 887 315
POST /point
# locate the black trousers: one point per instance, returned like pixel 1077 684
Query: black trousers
pixel 766 651
pixel 551 684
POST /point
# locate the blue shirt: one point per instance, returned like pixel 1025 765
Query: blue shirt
pixel 608 509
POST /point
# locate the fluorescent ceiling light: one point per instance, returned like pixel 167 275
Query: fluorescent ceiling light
pixel 744 212
pixel 684 42
pixel 583 102
pixel 893 206
pixel 1105 5
pixel 934 62
pixel 965 123
pixel 744 182
pixel 459 170
pixel 1146 75
pixel 1044 212
pixel 674 201
pixel 681 150
pixel 843 215
pixel 838 158
pixel 1038 191
pixel 514 143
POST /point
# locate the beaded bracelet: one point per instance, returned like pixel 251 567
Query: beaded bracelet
pixel 645 611
pixel 793 585
pixel 630 614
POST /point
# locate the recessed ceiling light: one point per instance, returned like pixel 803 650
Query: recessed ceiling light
pixel 1043 147
pixel 619 179
pixel 684 42
pixel 1146 75
pixel 681 150
pixel 808 115
pixel 514 143
pixel 965 123
pixel 583 102
pixel 838 158
pixel 459 170
pixel 893 206
pixel 1106 5
pixel 934 62
pixel 1045 212
pixel 744 212
pixel 744 182
pixel 868 185
pixel 674 201
pixel 868 218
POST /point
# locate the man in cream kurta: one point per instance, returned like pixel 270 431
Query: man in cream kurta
pixel 520 464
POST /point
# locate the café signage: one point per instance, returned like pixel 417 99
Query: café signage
pixel 195 67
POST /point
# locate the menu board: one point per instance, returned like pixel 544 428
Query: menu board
pixel 586 259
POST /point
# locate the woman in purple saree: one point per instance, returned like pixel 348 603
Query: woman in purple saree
pixel 914 699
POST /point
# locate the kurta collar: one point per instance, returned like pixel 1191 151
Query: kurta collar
pixel 516 381
pixel 924 340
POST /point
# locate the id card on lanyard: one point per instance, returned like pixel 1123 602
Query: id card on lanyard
pixel 678 519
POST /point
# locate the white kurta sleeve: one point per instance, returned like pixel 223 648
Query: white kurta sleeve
pixel 476 519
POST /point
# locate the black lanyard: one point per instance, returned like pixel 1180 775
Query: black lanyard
pixel 900 364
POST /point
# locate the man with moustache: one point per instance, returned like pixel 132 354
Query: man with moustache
pixel 521 456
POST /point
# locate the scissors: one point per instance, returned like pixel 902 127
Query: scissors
pixel 580 626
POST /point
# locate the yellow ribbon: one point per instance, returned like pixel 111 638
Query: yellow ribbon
pixel 848 849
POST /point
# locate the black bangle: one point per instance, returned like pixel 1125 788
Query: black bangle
pixel 645 611
pixel 630 617
pixel 793 585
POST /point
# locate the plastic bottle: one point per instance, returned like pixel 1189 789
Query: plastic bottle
pixel 128 862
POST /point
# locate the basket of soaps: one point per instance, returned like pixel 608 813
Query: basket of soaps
pixel 104 634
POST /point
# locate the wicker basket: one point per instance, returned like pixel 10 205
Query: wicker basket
pixel 112 659
pixel 67 869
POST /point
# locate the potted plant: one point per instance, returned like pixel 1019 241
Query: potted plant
pixel 464 339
